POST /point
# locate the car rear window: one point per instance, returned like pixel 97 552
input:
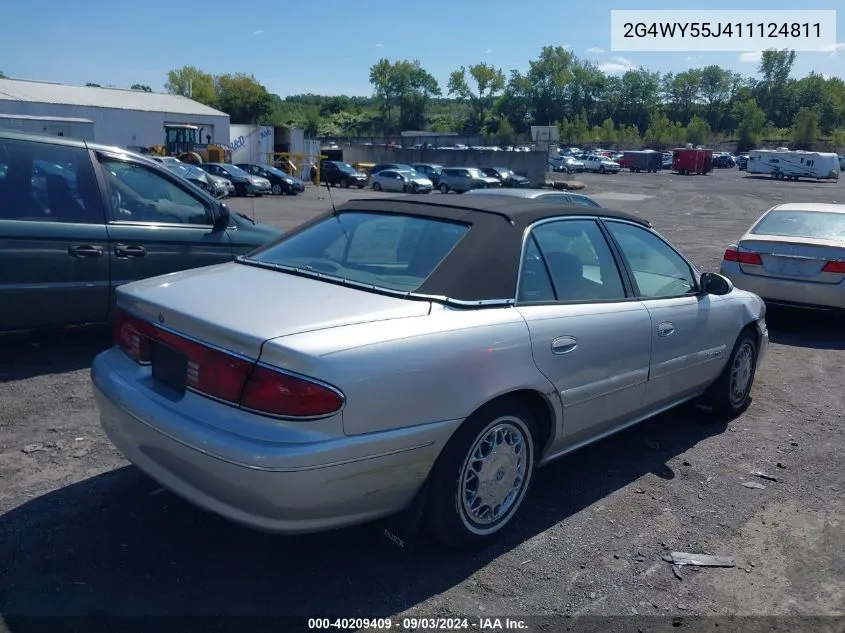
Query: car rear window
pixel 809 224
pixel 394 252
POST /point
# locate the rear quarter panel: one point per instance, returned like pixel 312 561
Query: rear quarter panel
pixel 419 370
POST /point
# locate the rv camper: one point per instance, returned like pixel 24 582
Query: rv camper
pixel 785 164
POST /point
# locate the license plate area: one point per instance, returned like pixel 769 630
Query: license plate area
pixel 170 367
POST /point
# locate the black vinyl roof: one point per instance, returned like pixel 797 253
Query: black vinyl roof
pixel 484 265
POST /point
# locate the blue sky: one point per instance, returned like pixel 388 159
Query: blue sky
pixel 327 47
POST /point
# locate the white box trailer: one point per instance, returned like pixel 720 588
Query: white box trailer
pixel 69 127
pixel 783 164
pixel 251 144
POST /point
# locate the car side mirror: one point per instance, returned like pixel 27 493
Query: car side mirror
pixel 222 218
pixel 715 284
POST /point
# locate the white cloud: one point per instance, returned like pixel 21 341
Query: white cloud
pixel 379 45
pixel 836 48
pixel 751 58
pixel 595 49
pixel 567 46
pixel 488 51
pixel 616 65
pixel 693 59
pixel 258 32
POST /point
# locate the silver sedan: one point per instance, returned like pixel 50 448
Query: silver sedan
pixel 793 255
pixel 399 180
pixel 384 356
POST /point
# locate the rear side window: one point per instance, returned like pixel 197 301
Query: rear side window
pixel 394 252
pixel 48 183
pixel 809 224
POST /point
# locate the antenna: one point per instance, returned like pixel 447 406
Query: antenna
pixel 330 196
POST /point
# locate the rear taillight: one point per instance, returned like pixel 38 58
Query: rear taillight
pixel 834 267
pixel 269 391
pixel 132 335
pixel 733 254
pixel 229 378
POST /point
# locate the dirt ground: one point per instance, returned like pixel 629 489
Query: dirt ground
pixel 83 532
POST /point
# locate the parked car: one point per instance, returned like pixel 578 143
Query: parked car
pixel 793 255
pixel 601 165
pixel 406 181
pixel 339 174
pixel 382 166
pixel 257 408
pixel 430 171
pixel 212 184
pixel 91 222
pixel 842 163
pixel 462 179
pixel 742 162
pixel 506 176
pixel 245 184
pixel 547 195
pixel 723 160
pixel 280 182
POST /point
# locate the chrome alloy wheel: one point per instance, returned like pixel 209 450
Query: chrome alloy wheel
pixel 495 475
pixel 741 374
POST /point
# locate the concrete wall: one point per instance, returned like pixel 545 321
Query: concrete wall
pixel 532 165
pixel 124 127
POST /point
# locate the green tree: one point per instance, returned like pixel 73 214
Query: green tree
pixel 775 67
pixel 548 77
pixel 715 90
pixel 242 98
pixel 141 87
pixel 505 134
pixel 698 131
pixel 750 122
pixel 837 140
pixel 608 131
pixel 92 85
pixel 2 76
pixel 805 128
pixel 489 82
pixel 191 82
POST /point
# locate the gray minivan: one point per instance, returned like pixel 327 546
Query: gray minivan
pixel 462 179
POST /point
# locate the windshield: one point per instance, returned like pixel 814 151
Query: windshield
pixel 345 167
pixel 810 224
pixel 235 171
pixel 276 172
pixel 477 173
pixel 393 252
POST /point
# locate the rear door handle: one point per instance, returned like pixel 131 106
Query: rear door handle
pixel 666 328
pixel 124 250
pixel 85 250
pixel 564 345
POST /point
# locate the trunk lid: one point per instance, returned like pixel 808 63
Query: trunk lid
pixel 791 258
pixel 237 307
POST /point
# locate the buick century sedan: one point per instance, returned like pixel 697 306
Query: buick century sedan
pixel 385 348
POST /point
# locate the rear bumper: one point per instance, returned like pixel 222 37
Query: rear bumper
pixel 787 292
pixel 291 480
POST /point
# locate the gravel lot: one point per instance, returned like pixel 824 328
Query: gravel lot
pixel 82 532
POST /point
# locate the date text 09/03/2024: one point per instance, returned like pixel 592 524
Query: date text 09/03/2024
pixel 417 624
pixel 772 30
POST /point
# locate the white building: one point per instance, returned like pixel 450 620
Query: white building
pixel 120 117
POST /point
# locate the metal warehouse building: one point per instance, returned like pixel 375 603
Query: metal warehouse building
pixel 112 116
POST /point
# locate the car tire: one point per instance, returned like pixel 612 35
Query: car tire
pixel 360 186
pixel 730 395
pixel 240 190
pixel 601 169
pixel 277 190
pixel 452 515
pixel 344 184
pixel 376 186
pixel 408 189
pixel 444 188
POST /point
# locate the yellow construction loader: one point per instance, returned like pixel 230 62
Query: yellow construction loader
pixel 181 141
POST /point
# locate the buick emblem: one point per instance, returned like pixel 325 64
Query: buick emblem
pixel 161 318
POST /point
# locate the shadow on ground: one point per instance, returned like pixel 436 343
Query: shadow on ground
pixel 118 544
pixel 56 352
pixel 806 328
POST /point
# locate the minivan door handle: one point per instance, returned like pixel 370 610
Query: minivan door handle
pixel 564 345
pixel 85 250
pixel 127 251
pixel 666 328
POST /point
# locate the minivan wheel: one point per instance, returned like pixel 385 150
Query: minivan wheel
pixel 376 186
pixel 730 395
pixel 480 479
pixel 444 188
pixel 276 189
pixel 344 183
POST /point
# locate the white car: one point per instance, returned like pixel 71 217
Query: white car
pixel 401 180
pixel 601 164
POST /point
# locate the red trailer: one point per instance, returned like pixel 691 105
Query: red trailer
pixel 686 160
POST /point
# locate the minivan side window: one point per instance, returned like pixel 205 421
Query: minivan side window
pixel 48 183
pixel 139 194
